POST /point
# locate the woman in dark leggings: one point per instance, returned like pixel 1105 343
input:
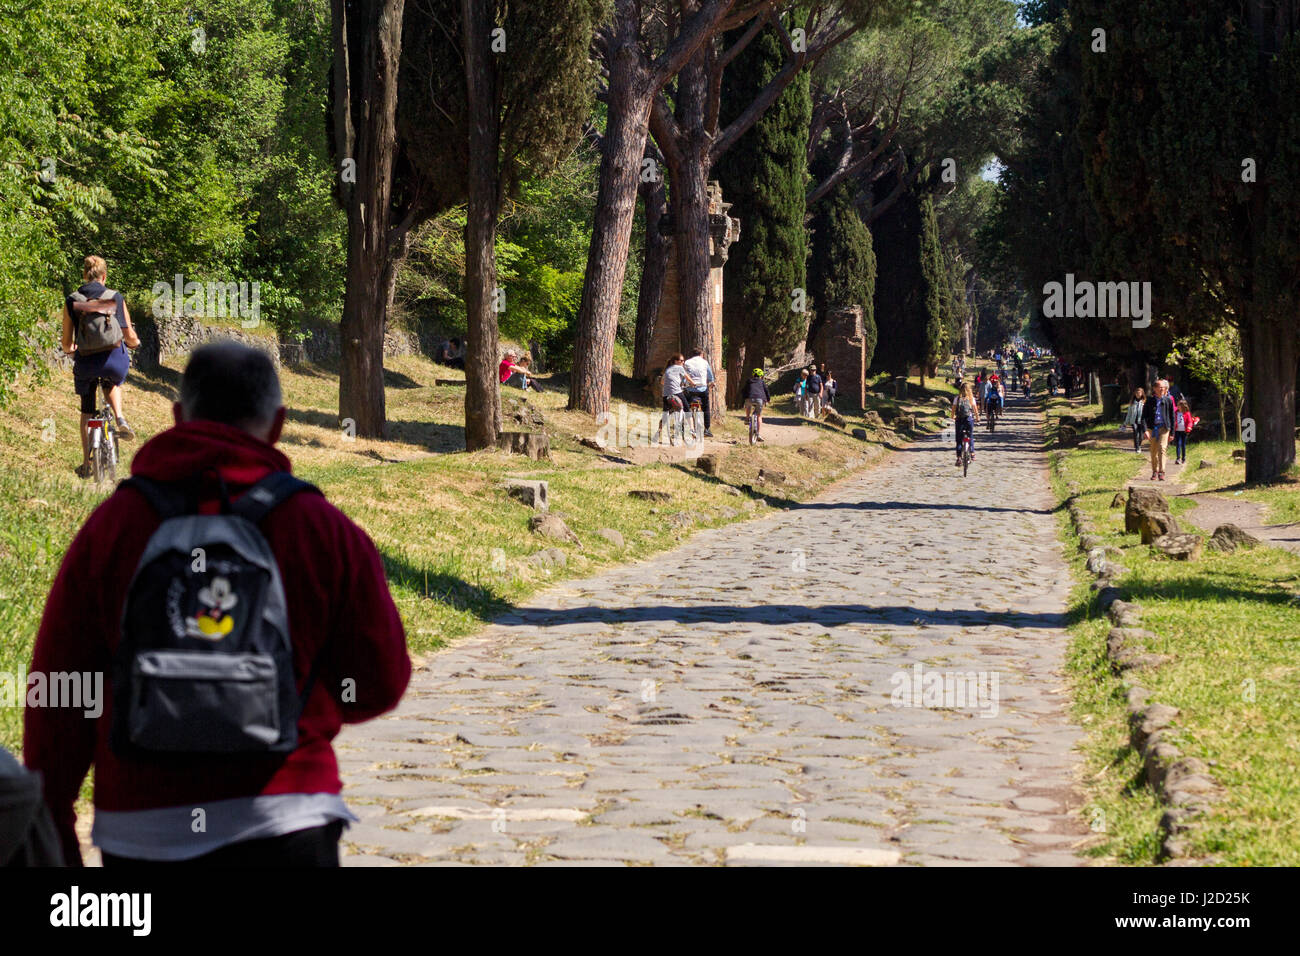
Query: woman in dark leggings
pixel 1134 419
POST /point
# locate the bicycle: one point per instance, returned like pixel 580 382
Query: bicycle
pixel 103 446
pixel 992 413
pixel 697 423
pixel 965 454
pixel 755 424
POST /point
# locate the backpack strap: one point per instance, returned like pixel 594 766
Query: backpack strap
pixel 168 499
pixel 273 490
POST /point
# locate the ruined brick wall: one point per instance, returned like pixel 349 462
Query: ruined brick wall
pixel 840 344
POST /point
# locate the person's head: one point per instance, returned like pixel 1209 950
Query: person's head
pixel 758 373
pixel 94 269
pixel 677 359
pixel 455 343
pixel 510 356
pixel 1162 388
pixel 233 384
pixel 804 373
pixel 1183 406
pixel 1139 394
pixel 967 392
pixel 698 353
pixel 525 362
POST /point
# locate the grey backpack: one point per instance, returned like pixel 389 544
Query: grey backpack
pixel 205 663
pixel 96 330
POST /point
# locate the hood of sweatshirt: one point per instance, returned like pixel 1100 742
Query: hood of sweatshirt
pixel 186 450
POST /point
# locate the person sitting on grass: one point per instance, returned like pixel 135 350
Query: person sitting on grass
pixel 526 364
pixel 513 374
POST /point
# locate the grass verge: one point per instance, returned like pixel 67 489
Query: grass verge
pixel 1231 626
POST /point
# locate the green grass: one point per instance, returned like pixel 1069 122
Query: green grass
pixel 1231 623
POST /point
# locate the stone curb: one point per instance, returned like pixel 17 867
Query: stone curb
pixel 1181 783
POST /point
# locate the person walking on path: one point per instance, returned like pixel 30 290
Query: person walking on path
pixel 814 394
pixel 267 801
pixel 1158 416
pixel 1184 422
pixel 701 373
pixel 676 381
pixel 801 394
pixel 1134 419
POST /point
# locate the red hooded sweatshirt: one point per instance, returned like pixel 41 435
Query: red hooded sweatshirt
pixel 337 598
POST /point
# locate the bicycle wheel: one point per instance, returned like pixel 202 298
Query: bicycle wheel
pixel 101 458
pixel 965 459
pixel 753 433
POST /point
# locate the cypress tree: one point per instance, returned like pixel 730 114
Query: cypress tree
pixel 899 302
pixel 764 177
pixel 842 270
pixel 934 291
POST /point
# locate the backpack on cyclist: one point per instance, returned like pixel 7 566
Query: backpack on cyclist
pixel 964 412
pixel 205 663
pixel 95 331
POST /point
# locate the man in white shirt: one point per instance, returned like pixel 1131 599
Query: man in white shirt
pixel 697 367
pixel 676 380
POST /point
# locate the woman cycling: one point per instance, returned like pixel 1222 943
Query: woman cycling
pixel 966 414
pixel 104 368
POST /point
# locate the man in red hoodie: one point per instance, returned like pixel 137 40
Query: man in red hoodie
pixel 243 810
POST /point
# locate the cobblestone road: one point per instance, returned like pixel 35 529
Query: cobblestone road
pixel 767 693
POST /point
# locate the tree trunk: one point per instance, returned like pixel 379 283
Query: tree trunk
pixel 653 269
pixel 1223 418
pixel 691 239
pixel 367 50
pixel 737 372
pixel 630 94
pixel 482 390
pixel 1268 344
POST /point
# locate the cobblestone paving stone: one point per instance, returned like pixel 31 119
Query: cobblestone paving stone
pixel 736 700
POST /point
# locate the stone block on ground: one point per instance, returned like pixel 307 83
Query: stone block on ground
pixel 647 495
pixel 1140 502
pixel 551 526
pixel 1204 463
pixel 1229 537
pixel 771 477
pixel 1180 547
pixel 613 537
pixel 709 464
pixel 548 558
pixel 536 445
pixel 532 493
pixel 1156 524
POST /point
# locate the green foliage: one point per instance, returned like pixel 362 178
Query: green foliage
pixel 842 269
pixel 541 252
pixel 934 288
pixel 181 139
pixel 764 177
pixel 900 285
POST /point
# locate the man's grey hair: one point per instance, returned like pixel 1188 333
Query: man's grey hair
pixel 230 383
